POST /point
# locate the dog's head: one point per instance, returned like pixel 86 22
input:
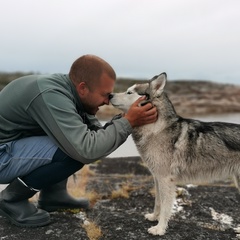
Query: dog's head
pixel 151 90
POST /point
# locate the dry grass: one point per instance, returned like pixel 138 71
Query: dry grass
pixel 93 197
pixel 122 192
pixel 77 186
pixel 93 231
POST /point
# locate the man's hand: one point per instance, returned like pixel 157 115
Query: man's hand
pixel 140 115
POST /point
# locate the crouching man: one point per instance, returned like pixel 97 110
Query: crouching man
pixel 48 131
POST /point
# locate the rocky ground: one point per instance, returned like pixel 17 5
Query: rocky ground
pixel 123 190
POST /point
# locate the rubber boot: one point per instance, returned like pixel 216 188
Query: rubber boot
pixel 56 197
pixel 15 206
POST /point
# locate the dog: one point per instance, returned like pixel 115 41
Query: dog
pixel 179 150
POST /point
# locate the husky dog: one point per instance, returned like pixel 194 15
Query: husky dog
pixel 178 150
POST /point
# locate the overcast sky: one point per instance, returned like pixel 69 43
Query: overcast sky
pixel 188 39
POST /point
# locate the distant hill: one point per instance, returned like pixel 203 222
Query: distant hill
pixel 5 77
pixel 189 97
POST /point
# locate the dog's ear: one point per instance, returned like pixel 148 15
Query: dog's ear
pixel 158 83
pixel 141 89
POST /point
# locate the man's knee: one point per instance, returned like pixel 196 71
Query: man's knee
pixel 64 159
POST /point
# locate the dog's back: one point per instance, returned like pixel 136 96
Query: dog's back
pixel 188 149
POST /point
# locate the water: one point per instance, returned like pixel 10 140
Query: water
pixel 129 149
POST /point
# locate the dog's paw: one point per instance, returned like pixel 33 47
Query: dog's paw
pixel 156 230
pixel 151 217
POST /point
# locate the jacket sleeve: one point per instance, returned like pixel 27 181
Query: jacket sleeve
pixel 57 116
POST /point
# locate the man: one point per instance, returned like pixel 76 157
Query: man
pixel 48 131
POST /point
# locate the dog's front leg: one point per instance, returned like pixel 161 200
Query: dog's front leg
pixel 166 195
pixel 155 215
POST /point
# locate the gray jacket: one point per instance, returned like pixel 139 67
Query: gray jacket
pixel 49 105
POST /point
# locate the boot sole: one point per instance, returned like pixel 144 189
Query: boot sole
pixel 28 224
pixel 50 208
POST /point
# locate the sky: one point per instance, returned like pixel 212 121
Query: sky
pixel 187 39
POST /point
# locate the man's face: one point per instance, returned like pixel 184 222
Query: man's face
pixel 97 96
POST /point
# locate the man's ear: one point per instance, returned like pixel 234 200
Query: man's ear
pixel 82 88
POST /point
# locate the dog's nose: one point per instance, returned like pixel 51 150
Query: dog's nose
pixel 110 96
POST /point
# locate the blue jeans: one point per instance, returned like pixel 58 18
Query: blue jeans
pixel 37 161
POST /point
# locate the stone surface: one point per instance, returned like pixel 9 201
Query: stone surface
pixel 123 217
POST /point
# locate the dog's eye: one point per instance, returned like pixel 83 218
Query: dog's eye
pixel 129 92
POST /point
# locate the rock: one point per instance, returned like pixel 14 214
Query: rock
pixel 202 209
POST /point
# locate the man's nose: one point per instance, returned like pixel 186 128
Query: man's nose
pixel 108 98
